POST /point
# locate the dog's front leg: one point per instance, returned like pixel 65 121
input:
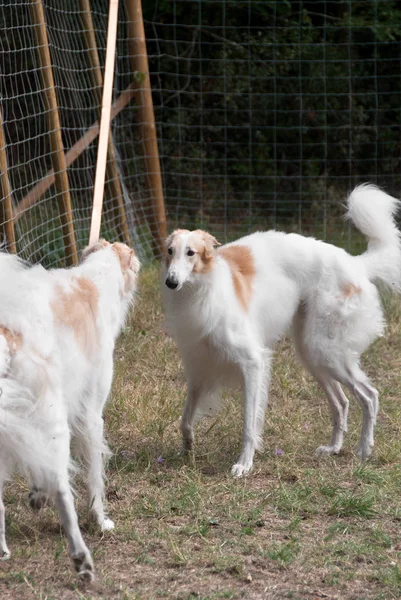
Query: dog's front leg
pixel 254 370
pixel 194 395
pixel 4 551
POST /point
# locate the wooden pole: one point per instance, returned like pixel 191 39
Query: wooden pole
pixel 113 176
pixel 104 122
pixel 6 206
pixel 139 61
pixel 53 125
pixel 73 153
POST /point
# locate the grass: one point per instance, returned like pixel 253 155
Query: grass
pixel 297 527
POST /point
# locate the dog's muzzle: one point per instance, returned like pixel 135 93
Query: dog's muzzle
pixel 171 283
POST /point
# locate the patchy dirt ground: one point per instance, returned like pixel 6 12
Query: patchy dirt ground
pixel 297 527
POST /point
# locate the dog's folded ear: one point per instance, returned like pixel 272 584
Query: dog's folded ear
pixel 213 240
pixel 127 257
pixel 207 237
pixel 129 265
pixel 209 241
pixel 94 248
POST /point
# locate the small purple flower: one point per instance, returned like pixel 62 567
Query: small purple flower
pixel 160 460
pixel 279 452
pixel 306 425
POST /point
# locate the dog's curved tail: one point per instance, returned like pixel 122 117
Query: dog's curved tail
pixel 373 212
pixel 22 443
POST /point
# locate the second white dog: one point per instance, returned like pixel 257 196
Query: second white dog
pixel 57 334
pixel 227 308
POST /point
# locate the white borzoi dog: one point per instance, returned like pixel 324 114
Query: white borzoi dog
pixel 57 334
pixel 227 308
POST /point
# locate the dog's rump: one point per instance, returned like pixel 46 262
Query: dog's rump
pixel 22 442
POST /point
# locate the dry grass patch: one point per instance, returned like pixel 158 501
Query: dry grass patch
pixel 297 527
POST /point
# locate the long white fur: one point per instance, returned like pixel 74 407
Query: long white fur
pixel 51 391
pixel 325 294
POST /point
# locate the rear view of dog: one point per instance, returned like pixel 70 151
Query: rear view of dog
pixel 57 334
pixel 227 308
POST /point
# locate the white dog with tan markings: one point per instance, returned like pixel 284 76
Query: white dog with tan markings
pixel 226 308
pixel 57 334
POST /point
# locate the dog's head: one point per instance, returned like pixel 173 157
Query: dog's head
pixel 127 260
pixel 188 253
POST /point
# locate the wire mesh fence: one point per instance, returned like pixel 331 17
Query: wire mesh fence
pixel 25 110
pixel 267 113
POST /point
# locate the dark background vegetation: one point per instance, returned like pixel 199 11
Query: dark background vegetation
pixel 268 111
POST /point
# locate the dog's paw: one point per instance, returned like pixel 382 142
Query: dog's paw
pixel 239 469
pixel 4 554
pixel 37 499
pixel 364 451
pixel 327 450
pixel 187 446
pixel 84 566
pixel 107 525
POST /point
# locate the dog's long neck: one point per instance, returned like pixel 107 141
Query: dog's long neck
pixel 196 309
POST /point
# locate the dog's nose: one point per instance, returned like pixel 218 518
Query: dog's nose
pixel 171 283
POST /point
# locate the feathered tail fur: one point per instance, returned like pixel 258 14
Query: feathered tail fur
pixel 373 212
pixel 21 439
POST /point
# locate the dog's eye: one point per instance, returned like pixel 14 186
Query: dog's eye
pixel 170 251
pixel 190 253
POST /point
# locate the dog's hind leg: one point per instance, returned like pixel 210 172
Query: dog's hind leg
pixel 337 399
pixel 338 403
pixel 4 551
pixel 78 550
pixel 358 383
pixel 339 409
pixel 60 484
pixel 38 499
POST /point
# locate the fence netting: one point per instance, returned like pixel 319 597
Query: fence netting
pixel 267 113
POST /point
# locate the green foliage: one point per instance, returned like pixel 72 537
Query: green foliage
pixel 272 97
pixel 263 109
pixel 348 504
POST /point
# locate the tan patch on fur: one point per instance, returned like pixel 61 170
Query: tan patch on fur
pixel 124 254
pixel 203 260
pixel 126 257
pixel 99 245
pixel 203 243
pixel 14 340
pixel 349 289
pixel 242 266
pixel 78 310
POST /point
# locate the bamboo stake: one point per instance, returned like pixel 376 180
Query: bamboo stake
pixel 73 153
pixel 53 125
pixel 139 61
pixel 97 82
pixel 104 122
pixel 6 206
